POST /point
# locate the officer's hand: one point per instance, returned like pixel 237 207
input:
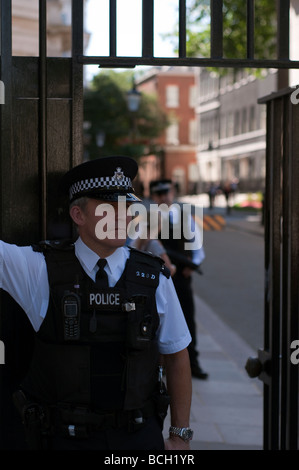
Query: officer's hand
pixel 172 270
pixel 176 443
pixel 187 272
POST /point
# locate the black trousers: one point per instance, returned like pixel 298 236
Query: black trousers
pixel 149 437
pixel 183 287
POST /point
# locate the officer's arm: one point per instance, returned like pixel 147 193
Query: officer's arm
pixel 23 274
pixel 179 386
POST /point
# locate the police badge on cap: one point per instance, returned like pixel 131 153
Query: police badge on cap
pixel 104 178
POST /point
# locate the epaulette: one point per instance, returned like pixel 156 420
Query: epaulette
pixel 147 254
pixel 45 246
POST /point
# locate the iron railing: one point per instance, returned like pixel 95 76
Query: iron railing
pixel 216 58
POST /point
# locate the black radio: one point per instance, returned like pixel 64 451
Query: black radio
pixel 71 306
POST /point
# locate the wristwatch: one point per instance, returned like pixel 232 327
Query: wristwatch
pixel 184 433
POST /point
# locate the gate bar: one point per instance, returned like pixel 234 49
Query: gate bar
pixel 182 28
pixel 147 28
pixel 285 268
pixel 294 275
pixel 5 167
pixel 289 412
pixel 250 29
pixel 283 29
pixel 275 273
pixel 123 62
pixel 43 115
pixel 5 111
pixel 272 274
pixel 112 20
pixel 77 83
pixel 216 29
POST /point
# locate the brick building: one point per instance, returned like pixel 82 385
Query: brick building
pixel 175 88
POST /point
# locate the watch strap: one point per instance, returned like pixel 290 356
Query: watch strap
pixel 184 433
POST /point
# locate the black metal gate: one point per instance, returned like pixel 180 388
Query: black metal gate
pixel 277 364
pixel 41 137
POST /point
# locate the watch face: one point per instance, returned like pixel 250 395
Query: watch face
pixel 184 433
pixel 187 434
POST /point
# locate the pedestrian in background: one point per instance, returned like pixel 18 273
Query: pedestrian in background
pixel 212 192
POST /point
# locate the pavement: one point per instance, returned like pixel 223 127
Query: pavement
pixel 227 408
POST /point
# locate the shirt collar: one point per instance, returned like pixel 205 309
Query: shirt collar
pixel 88 258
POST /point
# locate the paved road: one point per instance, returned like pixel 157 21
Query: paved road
pixel 233 280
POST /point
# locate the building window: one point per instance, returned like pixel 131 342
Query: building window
pixel 263 116
pixel 244 168
pixel 244 123
pixel 203 89
pixel 192 96
pixel 172 134
pixel 203 131
pixel 222 126
pixel 252 119
pixel 172 96
pixel 179 178
pixel 192 131
pixel 216 129
pixel 230 125
pixel 237 123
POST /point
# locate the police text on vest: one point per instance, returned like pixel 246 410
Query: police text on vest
pixel 106 298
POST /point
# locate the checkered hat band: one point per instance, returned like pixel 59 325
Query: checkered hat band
pixel 102 183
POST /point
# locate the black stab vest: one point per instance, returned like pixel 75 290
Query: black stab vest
pixel 112 363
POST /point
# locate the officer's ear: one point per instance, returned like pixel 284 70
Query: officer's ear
pixel 77 215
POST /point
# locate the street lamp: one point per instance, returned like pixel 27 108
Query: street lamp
pixel 100 138
pixel 133 99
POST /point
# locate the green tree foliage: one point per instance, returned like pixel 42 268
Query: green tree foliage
pixel 110 127
pixel 234 29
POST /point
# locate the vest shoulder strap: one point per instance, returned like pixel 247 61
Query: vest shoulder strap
pixel 46 246
pixel 139 259
pixel 62 264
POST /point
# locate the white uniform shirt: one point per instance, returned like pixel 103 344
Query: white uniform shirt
pixel 23 274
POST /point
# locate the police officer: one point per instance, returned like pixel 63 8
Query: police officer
pixel 102 314
pixel 163 192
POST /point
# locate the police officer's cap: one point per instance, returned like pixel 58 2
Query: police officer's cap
pixel 104 178
pixel 161 186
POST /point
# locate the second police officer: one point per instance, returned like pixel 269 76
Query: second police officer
pixel 186 260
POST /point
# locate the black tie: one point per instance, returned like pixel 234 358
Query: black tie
pixel 101 282
pixel 101 275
